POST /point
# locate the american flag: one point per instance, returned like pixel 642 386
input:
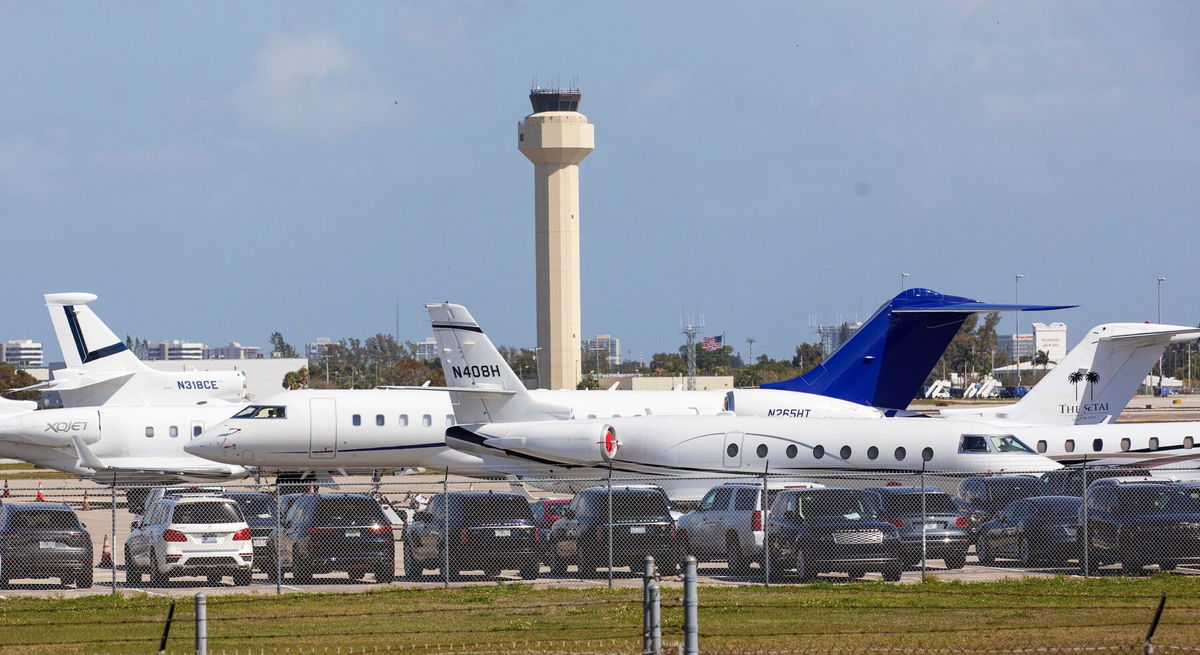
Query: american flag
pixel 712 343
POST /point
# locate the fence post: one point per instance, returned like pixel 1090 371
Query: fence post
pixel 655 618
pixel 1083 513
pixel 647 577
pixel 446 529
pixel 924 522
pixel 278 539
pixel 162 643
pixel 691 623
pixel 764 504
pixel 201 624
pixel 113 519
pixel 608 483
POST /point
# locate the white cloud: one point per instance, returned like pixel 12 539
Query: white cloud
pixel 315 85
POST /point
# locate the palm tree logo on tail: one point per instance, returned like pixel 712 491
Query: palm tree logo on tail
pixel 1075 378
pixel 1092 378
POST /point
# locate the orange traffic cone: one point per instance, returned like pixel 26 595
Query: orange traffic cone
pixel 6 493
pixel 87 505
pixel 41 497
pixel 105 555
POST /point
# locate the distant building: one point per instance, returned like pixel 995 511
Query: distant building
pixel 234 350
pixel 1023 343
pixel 611 347
pixel 316 351
pixel 21 352
pixel 1051 338
pixel 175 350
pixel 427 350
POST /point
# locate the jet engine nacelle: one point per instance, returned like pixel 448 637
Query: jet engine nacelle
pixel 561 441
pixel 790 404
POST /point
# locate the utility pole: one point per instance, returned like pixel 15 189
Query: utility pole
pixel 1161 279
pixel 690 329
pixel 1016 340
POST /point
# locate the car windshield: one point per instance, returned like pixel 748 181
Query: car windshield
pixel 42 519
pixel 262 507
pixel 847 505
pixel 262 411
pixel 1154 500
pixel 478 509
pixel 206 513
pixel 349 511
pixel 1058 508
pixel 638 505
pixel 1002 492
pixel 910 504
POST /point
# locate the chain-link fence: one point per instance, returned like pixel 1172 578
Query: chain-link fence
pixel 436 530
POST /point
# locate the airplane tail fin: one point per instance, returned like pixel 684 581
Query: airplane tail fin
pixel 86 342
pixel 485 389
pixel 1096 380
pixel 887 360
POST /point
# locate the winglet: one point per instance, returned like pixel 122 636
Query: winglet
pixel 888 359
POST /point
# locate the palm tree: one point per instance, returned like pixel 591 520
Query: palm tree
pixel 1075 378
pixel 1092 378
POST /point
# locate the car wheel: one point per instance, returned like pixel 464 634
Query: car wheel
pixel 268 567
pixel 892 573
pixel 557 566
pixel 738 564
pixel 855 574
pixel 243 577
pixel 1023 553
pixel 385 573
pixel 1131 566
pixel 84 579
pixel 158 578
pixel 491 573
pixel 301 574
pixel 412 570
pixel 1167 566
pixel 588 566
pixel 215 578
pixel 531 572
pixel 133 576
pixel 984 553
pixel 956 560
pixel 804 570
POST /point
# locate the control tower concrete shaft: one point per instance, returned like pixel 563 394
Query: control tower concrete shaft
pixel 556 137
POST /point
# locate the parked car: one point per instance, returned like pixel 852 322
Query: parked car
pixel 258 508
pixel 323 533
pixel 546 512
pixel 1140 522
pixel 641 525
pixel 190 535
pixel 944 530
pixel 44 540
pixel 1069 480
pixel 1037 530
pixel 812 531
pixel 158 493
pixel 488 531
pixel 983 496
pixel 727 524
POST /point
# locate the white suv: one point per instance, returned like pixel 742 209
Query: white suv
pixel 728 523
pixel 190 535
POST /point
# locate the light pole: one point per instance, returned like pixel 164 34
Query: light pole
pixel 903 276
pixel 1016 340
pixel 1161 279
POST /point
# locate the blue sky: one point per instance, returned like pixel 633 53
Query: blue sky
pixel 217 172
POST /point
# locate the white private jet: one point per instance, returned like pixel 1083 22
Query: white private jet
pixel 516 434
pixel 318 432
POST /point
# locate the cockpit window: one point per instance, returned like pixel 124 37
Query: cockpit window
pixel 973 443
pixel 1007 443
pixel 262 411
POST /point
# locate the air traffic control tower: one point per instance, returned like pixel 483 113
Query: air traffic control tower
pixel 556 137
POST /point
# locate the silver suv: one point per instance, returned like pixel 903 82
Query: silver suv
pixel 728 523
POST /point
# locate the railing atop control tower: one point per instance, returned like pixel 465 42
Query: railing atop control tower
pixel 554 99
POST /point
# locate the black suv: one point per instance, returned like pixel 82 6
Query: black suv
pixel 943 528
pixel 321 533
pixel 1041 529
pixel 982 497
pixel 489 532
pixel 259 510
pixel 826 530
pixel 44 540
pixel 1069 480
pixel 641 525
pixel 1141 522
